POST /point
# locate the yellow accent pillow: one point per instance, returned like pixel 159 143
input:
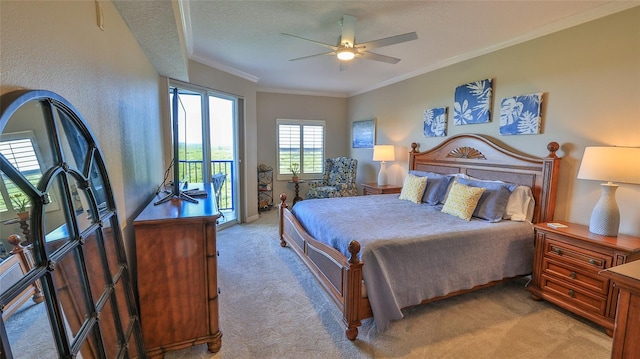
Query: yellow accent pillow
pixel 413 188
pixel 462 200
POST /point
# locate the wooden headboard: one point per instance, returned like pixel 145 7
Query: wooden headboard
pixel 479 157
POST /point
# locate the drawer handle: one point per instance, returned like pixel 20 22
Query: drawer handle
pixel 572 275
pixel 592 261
pixel 572 294
pixel 558 251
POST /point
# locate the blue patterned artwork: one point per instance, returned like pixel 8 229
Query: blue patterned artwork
pixel 435 122
pixel 473 103
pixel 520 115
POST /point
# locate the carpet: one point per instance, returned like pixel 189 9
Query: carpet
pixel 271 307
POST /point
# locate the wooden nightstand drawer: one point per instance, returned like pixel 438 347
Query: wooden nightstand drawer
pixel 580 256
pixel 567 293
pixel 587 279
pixel 374 188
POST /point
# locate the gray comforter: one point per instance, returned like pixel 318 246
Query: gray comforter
pixel 414 252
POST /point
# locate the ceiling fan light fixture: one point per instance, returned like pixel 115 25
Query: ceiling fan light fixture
pixel 346 54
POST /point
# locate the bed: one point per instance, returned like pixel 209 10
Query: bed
pixel 398 273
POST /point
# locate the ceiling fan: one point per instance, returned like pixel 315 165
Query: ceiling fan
pixel 347 49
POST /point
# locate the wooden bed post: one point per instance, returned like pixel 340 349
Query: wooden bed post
pixel 353 292
pixel 551 174
pixel 281 208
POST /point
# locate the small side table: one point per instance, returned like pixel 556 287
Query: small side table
pixel 297 197
pixel 626 278
pixel 373 188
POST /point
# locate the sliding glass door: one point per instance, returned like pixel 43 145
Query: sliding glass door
pixel 207 148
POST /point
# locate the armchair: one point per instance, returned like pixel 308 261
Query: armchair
pixel 339 179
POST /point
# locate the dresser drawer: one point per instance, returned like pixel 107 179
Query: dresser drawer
pixel 583 257
pixel 574 295
pixel 575 275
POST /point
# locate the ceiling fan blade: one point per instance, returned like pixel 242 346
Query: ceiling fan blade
pixel 309 40
pixel 378 57
pixel 348 31
pixel 387 41
pixel 310 56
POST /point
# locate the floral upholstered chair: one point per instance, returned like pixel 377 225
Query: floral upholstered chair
pixel 339 179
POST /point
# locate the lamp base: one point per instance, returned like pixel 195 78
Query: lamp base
pixel 382 175
pixel 605 218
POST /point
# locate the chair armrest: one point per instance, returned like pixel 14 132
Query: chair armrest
pixel 345 186
pixel 315 183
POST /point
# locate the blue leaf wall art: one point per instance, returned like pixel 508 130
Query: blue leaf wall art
pixel 520 115
pixel 473 103
pixel 435 122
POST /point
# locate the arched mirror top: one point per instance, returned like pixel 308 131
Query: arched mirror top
pixel 57 207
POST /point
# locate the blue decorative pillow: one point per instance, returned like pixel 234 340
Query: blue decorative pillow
pixel 437 185
pixel 492 204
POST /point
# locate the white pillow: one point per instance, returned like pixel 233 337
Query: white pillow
pixel 520 205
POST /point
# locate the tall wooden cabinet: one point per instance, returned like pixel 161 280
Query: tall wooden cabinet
pixel 177 274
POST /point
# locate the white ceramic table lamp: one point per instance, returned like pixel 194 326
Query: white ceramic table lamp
pixel 611 164
pixel 383 153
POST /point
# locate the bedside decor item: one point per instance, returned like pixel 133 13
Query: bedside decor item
pixel 473 103
pixel 383 153
pixel 435 122
pixel 294 171
pixel 364 133
pixel 520 115
pixel 610 164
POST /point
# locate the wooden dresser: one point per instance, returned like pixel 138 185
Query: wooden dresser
pixel 177 274
pixel 626 335
pixel 566 270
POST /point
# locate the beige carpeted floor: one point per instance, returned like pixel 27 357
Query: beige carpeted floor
pixel 271 307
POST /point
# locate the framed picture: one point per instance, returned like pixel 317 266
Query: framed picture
pixel 473 103
pixel 520 115
pixel 364 133
pixel 435 122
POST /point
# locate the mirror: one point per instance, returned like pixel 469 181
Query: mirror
pixel 63 268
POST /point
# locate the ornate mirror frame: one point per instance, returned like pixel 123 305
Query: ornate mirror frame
pixel 68 245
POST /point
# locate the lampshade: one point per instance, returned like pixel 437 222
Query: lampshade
pixel 383 153
pixel 611 164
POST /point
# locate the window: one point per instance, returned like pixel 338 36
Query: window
pixel 19 150
pixel 301 142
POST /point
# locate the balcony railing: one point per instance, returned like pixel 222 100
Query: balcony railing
pixel 191 170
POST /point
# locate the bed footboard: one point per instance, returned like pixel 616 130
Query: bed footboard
pixel 341 277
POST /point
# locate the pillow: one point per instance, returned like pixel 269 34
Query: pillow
pixel 520 205
pixel 492 204
pixel 437 184
pixel 462 200
pixel 452 179
pixel 413 188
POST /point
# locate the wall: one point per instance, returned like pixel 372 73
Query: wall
pixel 57 46
pixel 590 76
pixel 209 77
pixel 272 106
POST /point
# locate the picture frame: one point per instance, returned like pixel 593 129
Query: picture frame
pixel 473 102
pixel 434 122
pixel 521 115
pixel 364 133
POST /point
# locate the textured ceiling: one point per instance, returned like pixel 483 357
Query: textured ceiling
pixel 244 37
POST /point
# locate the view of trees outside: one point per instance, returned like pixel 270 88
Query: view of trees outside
pixel 190 134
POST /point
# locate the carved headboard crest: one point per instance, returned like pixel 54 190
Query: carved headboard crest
pixel 466 152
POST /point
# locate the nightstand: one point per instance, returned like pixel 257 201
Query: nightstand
pixel 566 266
pixel 374 188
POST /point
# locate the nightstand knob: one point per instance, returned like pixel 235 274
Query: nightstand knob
pixel 558 251
pixel 592 261
pixel 572 294
pixel 572 275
